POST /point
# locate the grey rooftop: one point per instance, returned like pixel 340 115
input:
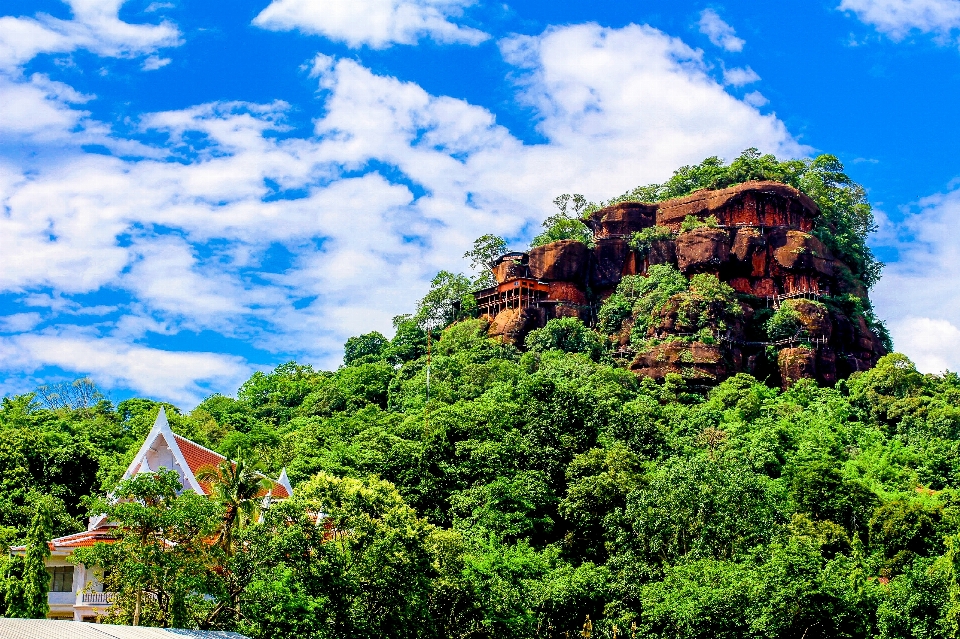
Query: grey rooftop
pixel 52 629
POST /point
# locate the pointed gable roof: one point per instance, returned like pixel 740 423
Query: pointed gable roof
pixel 187 459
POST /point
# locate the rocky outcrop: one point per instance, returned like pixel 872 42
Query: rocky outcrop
pixel 702 249
pixel 565 261
pixel 513 324
pixel 797 363
pixel 695 361
pixel 762 204
pixel 621 220
pixel 758 237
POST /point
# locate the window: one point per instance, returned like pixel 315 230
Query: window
pixel 62 579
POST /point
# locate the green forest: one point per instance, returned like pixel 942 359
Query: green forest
pixel 450 485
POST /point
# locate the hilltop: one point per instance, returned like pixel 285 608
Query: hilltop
pixel 473 485
pixel 746 287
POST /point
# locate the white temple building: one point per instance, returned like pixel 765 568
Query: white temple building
pixel 75 591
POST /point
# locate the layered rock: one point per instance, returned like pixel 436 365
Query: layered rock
pixel 757 237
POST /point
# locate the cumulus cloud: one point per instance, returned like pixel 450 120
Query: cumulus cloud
pixel 917 294
pixel 95 26
pixel 37 110
pixel 897 18
pixel 155 62
pixel 180 377
pixel 720 33
pixel 375 23
pixel 740 76
pixel 187 241
pixel 19 322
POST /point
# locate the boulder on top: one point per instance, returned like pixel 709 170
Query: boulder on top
pixel 513 324
pixel 765 204
pixel 622 220
pixel 606 267
pixel 796 364
pixel 796 250
pixel 702 247
pixel 564 260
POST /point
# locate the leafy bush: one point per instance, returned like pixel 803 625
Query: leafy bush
pixel 641 241
pixel 567 334
pixel 691 222
pixel 783 324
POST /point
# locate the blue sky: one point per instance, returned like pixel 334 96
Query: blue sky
pixel 192 191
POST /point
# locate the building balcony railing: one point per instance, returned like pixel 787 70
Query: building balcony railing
pixel 97 598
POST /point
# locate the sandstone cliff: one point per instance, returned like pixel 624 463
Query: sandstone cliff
pixel 783 306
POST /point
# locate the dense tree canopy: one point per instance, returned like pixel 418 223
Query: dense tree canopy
pixel 536 492
pixel 532 490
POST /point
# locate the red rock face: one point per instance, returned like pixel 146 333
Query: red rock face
pixel 702 249
pixel 762 247
pixel 564 261
pixel 761 204
pixel 695 361
pixel 622 220
pixel 796 364
pixel 607 264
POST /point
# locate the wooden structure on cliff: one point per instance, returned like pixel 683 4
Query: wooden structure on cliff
pixel 762 246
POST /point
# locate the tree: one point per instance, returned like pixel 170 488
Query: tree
pixel 161 566
pixel 565 224
pixel 81 393
pixel 383 554
pixel 236 486
pixel 486 249
pixel 449 299
pixel 364 348
pixel 36 579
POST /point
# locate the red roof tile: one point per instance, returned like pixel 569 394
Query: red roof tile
pixel 197 457
pixel 79 540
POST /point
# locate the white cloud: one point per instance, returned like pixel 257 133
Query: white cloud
pixel 19 322
pixel 179 377
pixel 38 108
pixel 95 26
pixel 740 76
pixel 376 23
pixel 186 240
pixel 756 99
pixel 917 294
pixel 932 344
pixel 897 18
pixel 720 33
pixel 155 62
